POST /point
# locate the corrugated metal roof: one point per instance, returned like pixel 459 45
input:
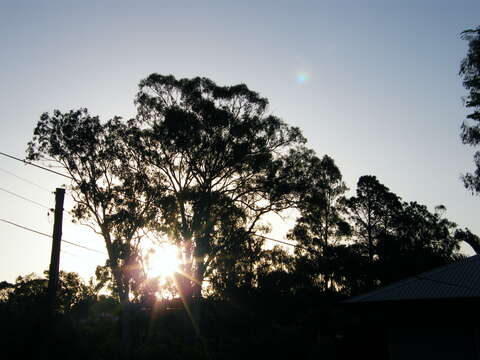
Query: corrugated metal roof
pixel 460 279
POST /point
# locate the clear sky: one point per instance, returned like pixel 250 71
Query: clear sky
pixel 374 84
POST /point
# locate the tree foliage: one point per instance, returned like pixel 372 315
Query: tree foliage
pixel 387 239
pixel 29 292
pixel 322 222
pixel 371 212
pixel 109 197
pixel 419 240
pixel 221 162
pixel 470 130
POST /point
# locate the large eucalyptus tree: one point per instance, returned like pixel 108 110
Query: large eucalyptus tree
pixel 222 163
pixel 109 196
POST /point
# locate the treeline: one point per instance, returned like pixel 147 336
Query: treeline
pixel 203 166
pixel 267 321
pixel 345 245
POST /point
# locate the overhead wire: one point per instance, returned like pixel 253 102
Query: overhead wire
pixel 35 202
pixel 78 258
pixel 25 198
pixel 49 236
pixel 69 177
pixel 37 166
pixel 282 242
pixel 26 180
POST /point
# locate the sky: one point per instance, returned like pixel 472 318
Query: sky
pixel 373 84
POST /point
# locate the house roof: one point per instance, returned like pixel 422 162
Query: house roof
pixel 460 279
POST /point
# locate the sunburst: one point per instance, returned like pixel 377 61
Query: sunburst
pixel 162 261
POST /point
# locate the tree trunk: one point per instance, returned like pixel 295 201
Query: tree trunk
pixel 197 294
pixel 124 297
pixel 125 323
pixel 123 294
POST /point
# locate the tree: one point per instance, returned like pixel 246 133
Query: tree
pixel 321 222
pixel 468 237
pixel 30 291
pixel 200 164
pixel 470 130
pixel 109 197
pixel 231 268
pixel 221 161
pixel 371 211
pixel 418 241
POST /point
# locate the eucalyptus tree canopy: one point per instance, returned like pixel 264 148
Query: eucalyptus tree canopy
pixel 470 133
pixel 109 197
pixel 418 240
pixel 321 207
pixel 471 239
pixel 221 160
pixel 321 223
pixel 200 163
pixel 372 211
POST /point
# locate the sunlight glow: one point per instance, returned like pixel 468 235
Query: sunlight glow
pixel 162 261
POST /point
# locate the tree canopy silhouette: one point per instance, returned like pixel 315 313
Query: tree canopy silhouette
pixel 221 161
pixel 372 210
pixel 322 222
pixel 470 130
pixel 200 164
pixel 109 197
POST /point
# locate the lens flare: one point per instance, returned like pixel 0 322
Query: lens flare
pixel 301 77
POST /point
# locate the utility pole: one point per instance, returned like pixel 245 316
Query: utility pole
pixel 56 241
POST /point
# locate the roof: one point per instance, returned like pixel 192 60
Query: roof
pixel 460 279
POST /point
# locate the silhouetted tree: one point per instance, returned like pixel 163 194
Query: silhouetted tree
pixel 109 197
pixel 30 291
pixel 321 222
pixel 419 241
pixel 470 238
pixel 470 73
pixel 221 161
pixel 231 268
pixel 371 211
pixel 394 239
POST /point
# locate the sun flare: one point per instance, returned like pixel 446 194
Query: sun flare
pixel 162 261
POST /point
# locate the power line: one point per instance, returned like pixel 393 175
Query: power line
pixel 32 164
pixel 87 248
pixel 78 258
pixel 26 180
pixel 49 236
pixel 68 253
pixel 25 198
pixel 282 242
pixel 69 177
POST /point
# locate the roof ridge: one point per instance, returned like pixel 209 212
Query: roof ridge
pixel 451 265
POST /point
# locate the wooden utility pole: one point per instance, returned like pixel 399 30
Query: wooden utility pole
pixel 56 241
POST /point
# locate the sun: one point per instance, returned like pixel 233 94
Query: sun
pixel 162 261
